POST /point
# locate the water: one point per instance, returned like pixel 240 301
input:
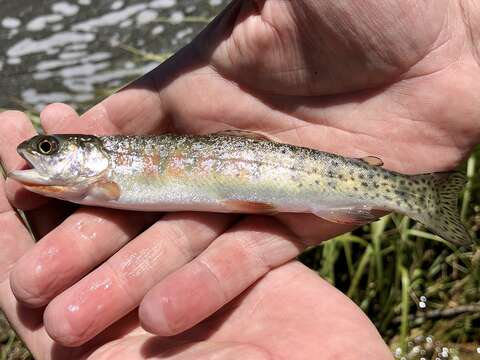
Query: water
pixel 75 51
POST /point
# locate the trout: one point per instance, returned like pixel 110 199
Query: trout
pixel 234 172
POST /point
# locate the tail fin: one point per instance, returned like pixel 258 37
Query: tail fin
pixel 441 214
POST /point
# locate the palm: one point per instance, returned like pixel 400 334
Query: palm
pixel 385 96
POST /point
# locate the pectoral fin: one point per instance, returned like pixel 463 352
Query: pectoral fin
pixel 104 191
pixel 350 216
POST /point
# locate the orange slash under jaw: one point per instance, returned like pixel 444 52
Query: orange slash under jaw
pixel 57 191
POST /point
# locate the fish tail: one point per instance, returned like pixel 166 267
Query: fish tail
pixel 441 214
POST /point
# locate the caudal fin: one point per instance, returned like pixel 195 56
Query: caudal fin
pixel 441 214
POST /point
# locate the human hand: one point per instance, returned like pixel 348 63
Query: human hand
pixel 290 313
pixel 215 84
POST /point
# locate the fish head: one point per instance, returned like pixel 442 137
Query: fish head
pixel 61 163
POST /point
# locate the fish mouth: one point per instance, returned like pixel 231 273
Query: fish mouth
pixel 29 176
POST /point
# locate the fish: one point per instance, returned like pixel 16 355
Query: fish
pixel 235 172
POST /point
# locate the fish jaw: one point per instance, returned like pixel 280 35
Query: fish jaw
pixel 30 177
pixel 35 182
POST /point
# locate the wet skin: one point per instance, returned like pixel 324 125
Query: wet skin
pixel 362 91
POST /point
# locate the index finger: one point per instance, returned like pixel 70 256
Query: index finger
pixel 15 239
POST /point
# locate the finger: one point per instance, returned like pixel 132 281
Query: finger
pixel 116 287
pixel 15 239
pixel 234 261
pixel 58 118
pixel 67 253
pixel 136 109
pixel 15 127
pixel 28 323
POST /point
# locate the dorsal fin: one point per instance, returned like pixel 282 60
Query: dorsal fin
pixel 372 160
pixel 245 133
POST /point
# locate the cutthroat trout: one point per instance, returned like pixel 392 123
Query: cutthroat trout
pixel 231 172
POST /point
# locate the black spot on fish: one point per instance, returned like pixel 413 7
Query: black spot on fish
pixel 340 176
pixel 317 182
pixel 364 184
pixel 402 182
pixel 334 163
pixel 387 197
pixel 331 184
pixel 375 185
pixel 355 188
pixel 361 176
pixel 330 173
pixel 300 185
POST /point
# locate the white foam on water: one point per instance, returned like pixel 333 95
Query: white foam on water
pixel 65 8
pixel 162 4
pixel 146 16
pixel 176 17
pixel 158 30
pixel 110 19
pixel 117 5
pixel 215 2
pixel 11 22
pixel 30 46
pixel 40 23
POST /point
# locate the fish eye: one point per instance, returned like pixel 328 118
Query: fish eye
pixel 47 146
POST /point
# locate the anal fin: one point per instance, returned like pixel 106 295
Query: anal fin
pixel 350 216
